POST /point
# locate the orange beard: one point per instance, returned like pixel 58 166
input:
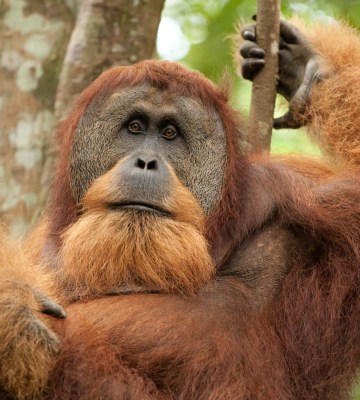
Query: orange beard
pixel 109 251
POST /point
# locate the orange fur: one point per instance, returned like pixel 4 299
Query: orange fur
pixel 303 344
pixel 27 346
pixel 333 115
pixel 35 240
pixel 334 120
pixel 134 250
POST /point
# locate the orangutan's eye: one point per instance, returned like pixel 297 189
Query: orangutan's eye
pixel 135 127
pixel 169 133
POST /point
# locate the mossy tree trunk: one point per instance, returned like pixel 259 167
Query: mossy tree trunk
pixel 33 40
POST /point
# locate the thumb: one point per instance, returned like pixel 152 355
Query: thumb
pixel 286 121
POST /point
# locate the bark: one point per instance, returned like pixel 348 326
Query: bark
pixel 33 40
pixel 264 85
pixel 107 33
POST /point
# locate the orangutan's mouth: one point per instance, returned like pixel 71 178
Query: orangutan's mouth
pixel 140 206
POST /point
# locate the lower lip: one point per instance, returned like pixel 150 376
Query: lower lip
pixel 140 207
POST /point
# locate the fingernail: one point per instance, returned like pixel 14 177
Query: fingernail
pixel 248 35
pixel 257 53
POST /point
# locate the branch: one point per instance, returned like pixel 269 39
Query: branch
pixel 264 85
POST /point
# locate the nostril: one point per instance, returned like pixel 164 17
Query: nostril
pixel 140 163
pixel 152 164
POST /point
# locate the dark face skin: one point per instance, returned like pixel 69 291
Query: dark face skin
pixel 148 123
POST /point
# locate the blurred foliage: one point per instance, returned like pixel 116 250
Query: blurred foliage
pixel 205 27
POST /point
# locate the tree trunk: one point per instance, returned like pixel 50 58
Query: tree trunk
pixel 264 85
pixel 33 40
pixel 107 33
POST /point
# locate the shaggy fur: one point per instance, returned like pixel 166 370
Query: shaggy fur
pixel 24 334
pixel 301 342
pixel 303 345
pixel 334 121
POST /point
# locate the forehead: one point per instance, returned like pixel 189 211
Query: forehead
pixel 190 114
pixel 160 103
pixel 143 93
pixel 144 98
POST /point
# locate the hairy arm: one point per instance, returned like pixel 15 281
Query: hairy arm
pixel 315 312
pixel 27 346
pixel 188 348
pixel 333 111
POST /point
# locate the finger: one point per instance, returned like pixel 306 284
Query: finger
pixel 44 335
pixel 48 306
pixel 248 32
pixel 250 67
pixel 257 52
pixel 286 121
pixel 251 50
pixel 289 33
pixel 248 35
pixel 51 308
pixel 312 74
pixel 283 44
